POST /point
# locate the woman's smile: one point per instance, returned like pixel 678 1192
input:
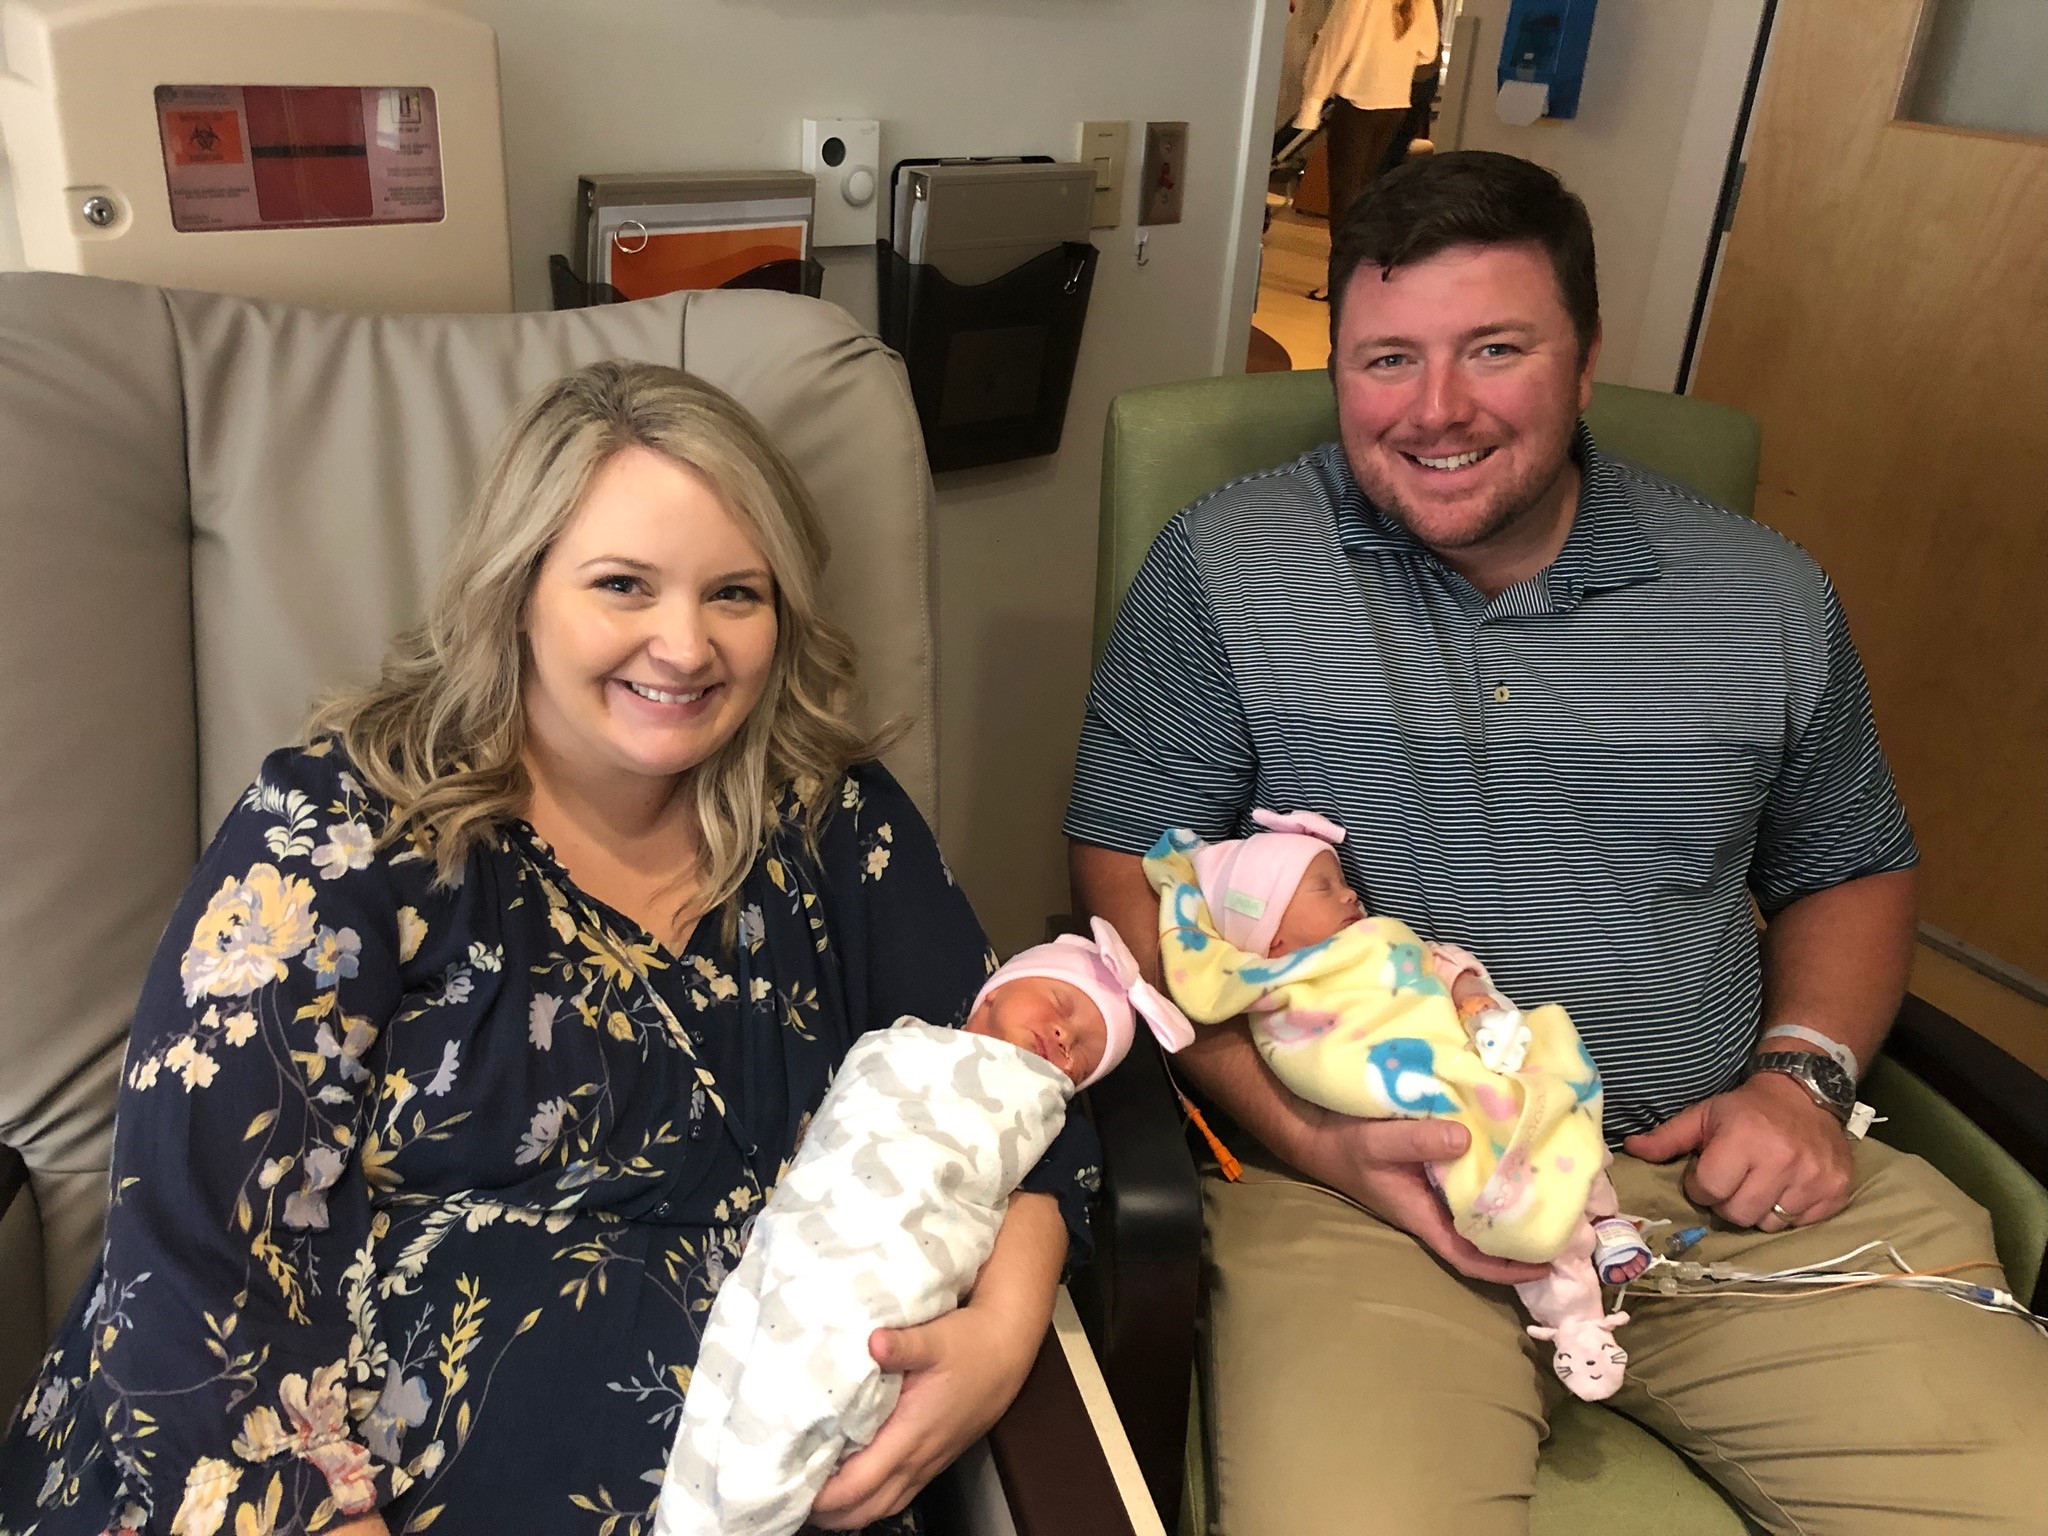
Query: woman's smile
pixel 670 704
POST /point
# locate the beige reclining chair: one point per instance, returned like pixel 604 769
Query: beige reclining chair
pixel 211 510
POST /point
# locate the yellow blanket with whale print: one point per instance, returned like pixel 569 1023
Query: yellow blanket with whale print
pixel 1360 1024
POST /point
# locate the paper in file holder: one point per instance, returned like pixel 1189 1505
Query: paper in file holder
pixel 569 291
pixel 641 235
pixel 983 289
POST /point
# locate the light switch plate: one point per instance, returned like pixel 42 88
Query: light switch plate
pixel 1107 147
pixel 1165 175
pixel 844 154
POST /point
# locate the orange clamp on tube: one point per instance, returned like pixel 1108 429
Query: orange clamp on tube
pixel 1231 1168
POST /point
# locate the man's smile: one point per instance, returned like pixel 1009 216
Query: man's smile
pixel 1449 463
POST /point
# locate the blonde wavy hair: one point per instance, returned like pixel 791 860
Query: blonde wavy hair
pixel 441 732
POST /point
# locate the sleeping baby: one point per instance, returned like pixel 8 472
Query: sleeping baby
pixel 1354 1012
pixel 884 1218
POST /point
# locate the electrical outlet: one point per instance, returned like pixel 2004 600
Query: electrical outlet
pixel 1107 147
pixel 844 154
pixel 1165 175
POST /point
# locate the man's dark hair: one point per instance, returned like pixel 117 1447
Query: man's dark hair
pixel 1468 197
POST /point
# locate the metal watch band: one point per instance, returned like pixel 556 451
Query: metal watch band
pixel 1821 1076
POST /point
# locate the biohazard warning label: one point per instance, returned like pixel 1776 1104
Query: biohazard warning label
pixel 207 137
pixel 297 157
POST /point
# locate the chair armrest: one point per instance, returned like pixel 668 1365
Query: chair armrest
pixel 1060 1453
pixel 1999 1092
pixel 1151 1192
pixel 2003 1099
pixel 13 1175
pixel 1139 1296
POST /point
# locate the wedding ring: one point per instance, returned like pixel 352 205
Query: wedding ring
pixel 1782 1214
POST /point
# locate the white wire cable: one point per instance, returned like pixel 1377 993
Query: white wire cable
pixel 1685 1279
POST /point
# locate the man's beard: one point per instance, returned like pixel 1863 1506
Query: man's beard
pixel 1508 505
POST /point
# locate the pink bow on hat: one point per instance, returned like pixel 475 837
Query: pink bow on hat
pixel 1105 969
pixel 1169 1026
pixel 1307 823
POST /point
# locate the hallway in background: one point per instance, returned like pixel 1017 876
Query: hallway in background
pixel 1296 260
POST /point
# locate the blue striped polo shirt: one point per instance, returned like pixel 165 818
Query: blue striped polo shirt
pixel 1584 779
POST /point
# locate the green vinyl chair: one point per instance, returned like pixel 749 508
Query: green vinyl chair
pixel 1945 1092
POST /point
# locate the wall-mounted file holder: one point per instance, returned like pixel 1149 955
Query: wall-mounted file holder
pixel 991 364
pixel 643 234
pixel 570 291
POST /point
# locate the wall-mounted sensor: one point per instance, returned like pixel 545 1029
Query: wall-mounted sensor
pixel 845 156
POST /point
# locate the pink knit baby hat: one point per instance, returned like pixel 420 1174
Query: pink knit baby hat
pixel 1107 971
pixel 1248 883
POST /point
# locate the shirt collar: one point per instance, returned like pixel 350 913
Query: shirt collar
pixel 1607 547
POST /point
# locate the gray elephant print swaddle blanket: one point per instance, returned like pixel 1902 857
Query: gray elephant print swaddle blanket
pixel 887 1213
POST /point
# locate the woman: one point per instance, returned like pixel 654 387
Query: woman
pixel 1372 62
pixel 491 1016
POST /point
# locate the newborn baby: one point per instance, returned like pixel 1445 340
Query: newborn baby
pixel 886 1215
pixel 1356 1013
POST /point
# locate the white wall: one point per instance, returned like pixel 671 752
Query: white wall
pixel 1646 151
pixel 657 84
pixel 633 85
pixel 10 224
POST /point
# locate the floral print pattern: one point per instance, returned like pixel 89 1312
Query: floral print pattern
pixel 411 1179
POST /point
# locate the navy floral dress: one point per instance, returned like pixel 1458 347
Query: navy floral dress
pixel 420 1195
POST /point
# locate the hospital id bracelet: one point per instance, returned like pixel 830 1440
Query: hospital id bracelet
pixel 1843 1056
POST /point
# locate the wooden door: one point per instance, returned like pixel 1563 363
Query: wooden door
pixel 1883 309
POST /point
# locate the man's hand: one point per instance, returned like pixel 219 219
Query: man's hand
pixel 959 1374
pixel 1379 1164
pixel 1765 1143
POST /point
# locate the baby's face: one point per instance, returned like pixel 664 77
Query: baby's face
pixel 1323 906
pixel 1047 1017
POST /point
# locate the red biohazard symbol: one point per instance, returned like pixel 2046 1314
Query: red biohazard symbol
pixel 204 135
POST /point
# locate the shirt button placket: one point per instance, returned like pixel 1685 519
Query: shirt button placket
pixel 1490 657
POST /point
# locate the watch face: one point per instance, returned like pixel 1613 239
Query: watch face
pixel 1834 1082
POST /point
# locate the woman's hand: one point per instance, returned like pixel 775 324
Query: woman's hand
pixel 369 1525
pixel 959 1372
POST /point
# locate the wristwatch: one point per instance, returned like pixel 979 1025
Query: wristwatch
pixel 1822 1076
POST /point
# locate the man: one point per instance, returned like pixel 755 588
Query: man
pixel 1576 719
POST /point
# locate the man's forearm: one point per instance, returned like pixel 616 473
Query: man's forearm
pixel 1113 887
pixel 1222 1062
pixel 1836 962
pixel 1227 1067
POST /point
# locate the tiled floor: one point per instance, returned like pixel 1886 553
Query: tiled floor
pixel 1297 256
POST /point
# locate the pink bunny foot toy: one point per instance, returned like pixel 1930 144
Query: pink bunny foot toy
pixel 1567 1307
pixel 1588 1361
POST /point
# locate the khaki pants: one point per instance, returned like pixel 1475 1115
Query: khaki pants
pixel 1354 1384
